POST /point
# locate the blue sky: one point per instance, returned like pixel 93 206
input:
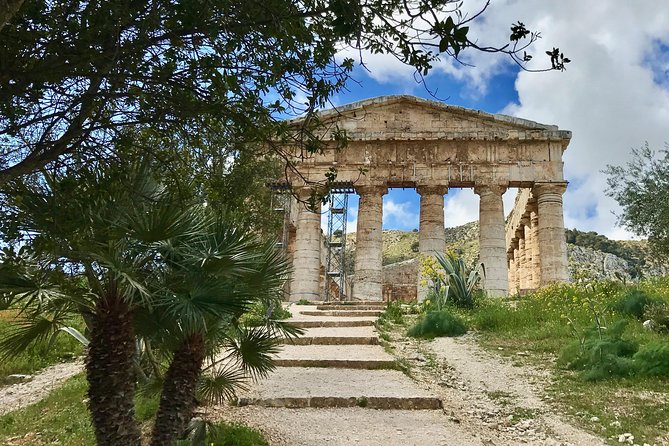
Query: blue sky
pixel 614 96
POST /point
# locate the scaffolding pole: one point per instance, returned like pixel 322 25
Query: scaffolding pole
pixel 281 203
pixel 335 241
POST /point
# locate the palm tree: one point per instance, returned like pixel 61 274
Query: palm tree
pixel 214 279
pixel 99 256
pixel 133 261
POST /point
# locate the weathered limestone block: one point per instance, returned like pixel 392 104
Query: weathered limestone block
pixel 534 237
pixel 552 243
pixel 522 262
pixel 431 236
pixel 492 239
pixel 369 244
pixel 307 256
pixel 399 281
pixel 516 268
pixel 525 256
pixel 512 274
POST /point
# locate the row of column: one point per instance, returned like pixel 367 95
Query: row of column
pixel 501 269
pixel 538 252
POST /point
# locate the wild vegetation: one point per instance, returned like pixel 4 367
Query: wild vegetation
pixel 606 344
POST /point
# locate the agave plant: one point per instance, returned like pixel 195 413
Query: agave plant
pixel 460 282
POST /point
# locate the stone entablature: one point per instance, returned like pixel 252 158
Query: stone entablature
pixel 403 141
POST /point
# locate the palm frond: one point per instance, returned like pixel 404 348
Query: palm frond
pixel 39 329
pixel 221 382
pixel 253 348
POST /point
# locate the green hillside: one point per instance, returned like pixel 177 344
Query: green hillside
pixel 590 254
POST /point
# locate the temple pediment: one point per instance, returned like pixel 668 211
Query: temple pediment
pixel 412 118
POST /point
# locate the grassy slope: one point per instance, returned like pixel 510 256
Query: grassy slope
pixel 537 325
pixel 62 418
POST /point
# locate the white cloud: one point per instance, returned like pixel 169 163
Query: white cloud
pixel 399 214
pixel 461 206
pixel 609 97
pixel 613 96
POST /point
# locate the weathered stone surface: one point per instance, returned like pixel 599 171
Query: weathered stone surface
pixel 399 281
pixel 369 244
pixel 491 239
pixel 345 313
pixel 307 255
pixel 321 387
pixel 402 141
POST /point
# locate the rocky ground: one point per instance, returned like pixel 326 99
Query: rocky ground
pixel 504 401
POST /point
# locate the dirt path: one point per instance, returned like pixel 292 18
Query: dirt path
pixel 488 394
pixel 17 396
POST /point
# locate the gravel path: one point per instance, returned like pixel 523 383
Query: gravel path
pixel 488 394
pixel 17 396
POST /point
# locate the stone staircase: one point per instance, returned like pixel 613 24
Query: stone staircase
pixel 337 363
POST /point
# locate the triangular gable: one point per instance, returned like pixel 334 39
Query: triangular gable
pixel 409 117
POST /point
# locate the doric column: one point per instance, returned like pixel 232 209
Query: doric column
pixel 492 239
pixel 431 236
pixel 305 282
pixel 511 262
pixel 534 237
pixel 522 262
pixel 516 269
pixel 369 244
pixel 552 243
pixel 524 247
pixel 529 271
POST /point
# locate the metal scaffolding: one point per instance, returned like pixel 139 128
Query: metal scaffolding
pixel 335 241
pixel 281 202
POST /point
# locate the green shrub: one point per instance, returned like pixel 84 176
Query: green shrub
pixel 261 312
pixel 658 313
pixel 438 323
pixel 233 434
pixel 303 302
pixel 634 303
pixel 393 313
pixel 653 359
pixel 490 315
pixel 601 353
pixel 206 433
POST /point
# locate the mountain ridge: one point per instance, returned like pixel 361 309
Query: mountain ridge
pixel 591 255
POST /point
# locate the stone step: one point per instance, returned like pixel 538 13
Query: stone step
pixel 333 340
pixel 350 307
pixel 343 313
pixel 349 303
pixel 334 388
pixel 369 357
pixel 335 322
pixel 336 336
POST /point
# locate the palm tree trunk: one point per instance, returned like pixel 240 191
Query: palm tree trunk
pixel 177 399
pixel 110 373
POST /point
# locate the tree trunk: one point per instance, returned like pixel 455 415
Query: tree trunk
pixel 177 399
pixel 110 373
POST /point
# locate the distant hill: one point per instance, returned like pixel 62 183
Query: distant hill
pixel 590 254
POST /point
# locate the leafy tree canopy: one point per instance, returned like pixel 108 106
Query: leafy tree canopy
pixel 641 188
pixel 73 74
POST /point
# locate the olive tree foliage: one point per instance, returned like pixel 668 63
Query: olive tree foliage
pixel 641 188
pixel 74 74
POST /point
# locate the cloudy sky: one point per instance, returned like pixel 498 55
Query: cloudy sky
pixel 614 96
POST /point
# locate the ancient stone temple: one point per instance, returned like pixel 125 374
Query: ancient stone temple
pixel 404 141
